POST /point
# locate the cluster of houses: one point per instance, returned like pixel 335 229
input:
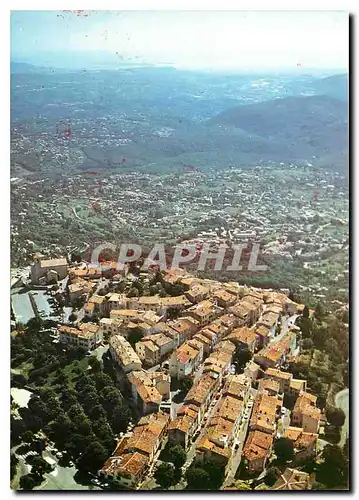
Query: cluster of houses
pixel 214 322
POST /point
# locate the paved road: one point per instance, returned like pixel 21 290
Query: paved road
pixel 342 401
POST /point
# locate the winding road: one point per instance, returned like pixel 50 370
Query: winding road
pixel 342 401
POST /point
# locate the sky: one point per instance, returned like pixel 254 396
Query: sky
pixel 235 40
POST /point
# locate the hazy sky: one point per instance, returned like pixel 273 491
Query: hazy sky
pixel 202 39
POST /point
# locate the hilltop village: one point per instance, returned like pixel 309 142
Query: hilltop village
pixel 204 366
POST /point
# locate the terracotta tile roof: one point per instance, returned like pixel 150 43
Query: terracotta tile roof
pixel 205 445
pixel 265 411
pixel 236 386
pixel 200 390
pixel 228 408
pixel 186 353
pixel 147 433
pixel 301 440
pixel 223 295
pixel 127 465
pixel 305 405
pixel 293 480
pixel 145 383
pixel 297 384
pixel 123 350
pixel 268 384
pixel 274 373
pixel 182 423
pixel 268 319
pixel 257 446
pixel 262 330
pixel 243 334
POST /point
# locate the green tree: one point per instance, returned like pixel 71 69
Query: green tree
pixel 27 482
pixel 241 358
pixel 186 383
pixel 34 325
pixel 305 313
pixel 120 418
pixel 319 336
pixel 135 336
pixel 28 436
pixel 319 312
pixel 110 397
pixel 102 380
pixel 272 475
pixel 93 457
pixel 333 471
pixel 197 479
pixel 177 456
pixel 215 473
pixel 335 416
pixel 165 475
pixel 284 449
pixel 73 317
pixel 133 292
pixel 96 365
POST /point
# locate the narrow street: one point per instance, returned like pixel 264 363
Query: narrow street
pixel 239 440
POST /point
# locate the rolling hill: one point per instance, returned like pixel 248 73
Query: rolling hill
pixel 305 125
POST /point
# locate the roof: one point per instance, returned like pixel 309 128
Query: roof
pixel 197 290
pixel 97 299
pixel 262 330
pixel 153 300
pixel 53 263
pixel 225 346
pixel 268 384
pixel 182 423
pixel 151 346
pixel 236 386
pixel 224 295
pixel 79 286
pixel 200 390
pixel 183 325
pixel 293 479
pixel 305 405
pixel 129 464
pixel 271 353
pixel 228 408
pixel 145 384
pixel 85 330
pixel 244 335
pixel 202 338
pixel 274 373
pixel 124 312
pixel 186 353
pixel 257 445
pixel 268 319
pixel 301 440
pixel 204 444
pixel 147 432
pixel 265 411
pixel 161 339
pixel 297 384
pixel 123 350
pixel 173 301
pixel 240 309
pixel 219 427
